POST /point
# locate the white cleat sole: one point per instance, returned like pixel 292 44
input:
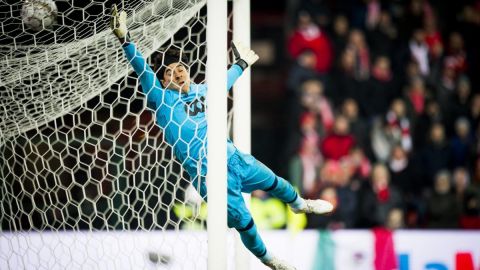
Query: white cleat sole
pixel 277 264
pixel 318 207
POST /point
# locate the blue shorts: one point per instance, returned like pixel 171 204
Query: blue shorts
pixel 246 174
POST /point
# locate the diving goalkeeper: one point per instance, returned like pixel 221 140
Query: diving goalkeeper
pixel 179 106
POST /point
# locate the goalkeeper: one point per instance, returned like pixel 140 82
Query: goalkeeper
pixel 179 106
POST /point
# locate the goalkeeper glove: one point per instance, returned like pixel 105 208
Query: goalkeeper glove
pixel 243 55
pixel 118 24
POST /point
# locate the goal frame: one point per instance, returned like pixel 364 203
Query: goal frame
pixel 217 126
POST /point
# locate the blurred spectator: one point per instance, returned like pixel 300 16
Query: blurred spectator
pixel 405 177
pixel 469 26
pixel 378 199
pixel 334 172
pixel 345 84
pixel 358 126
pixel 381 88
pixel 347 205
pixel 319 10
pixel 395 219
pixel 445 85
pixel 413 18
pixel 339 34
pixel 416 96
pixel 435 154
pixel 419 51
pixel 434 41
pixel 308 35
pixel 382 35
pixel 403 173
pixel 313 100
pixel 442 208
pixel 331 221
pixel 373 14
pixel 456 53
pixel 339 142
pixel 433 37
pixel 361 53
pixel 468 197
pixel 341 191
pixel 475 111
pixel 303 70
pixel 437 63
pixel 461 181
pixel 459 103
pixel 461 143
pixel 381 140
pixel 395 130
pixel 432 114
pixel 412 72
pixel 304 167
pixel 358 165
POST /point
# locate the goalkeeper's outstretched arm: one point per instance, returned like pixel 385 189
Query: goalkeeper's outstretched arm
pixel 147 77
pixel 244 58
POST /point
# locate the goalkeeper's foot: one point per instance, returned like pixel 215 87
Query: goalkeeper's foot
pixel 276 264
pixel 314 207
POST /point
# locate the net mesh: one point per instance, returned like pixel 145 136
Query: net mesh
pixel 79 150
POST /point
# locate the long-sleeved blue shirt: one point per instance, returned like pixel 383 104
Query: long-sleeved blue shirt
pixel 180 115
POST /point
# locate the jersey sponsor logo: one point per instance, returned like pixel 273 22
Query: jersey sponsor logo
pixel 195 106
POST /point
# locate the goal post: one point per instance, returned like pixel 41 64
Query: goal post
pixel 217 133
pixel 242 111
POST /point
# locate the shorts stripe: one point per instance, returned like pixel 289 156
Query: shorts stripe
pixel 274 185
pixel 294 199
pixel 248 227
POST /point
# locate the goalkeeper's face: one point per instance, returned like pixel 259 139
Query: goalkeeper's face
pixel 176 77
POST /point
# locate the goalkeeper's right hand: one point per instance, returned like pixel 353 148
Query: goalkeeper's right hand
pixel 118 24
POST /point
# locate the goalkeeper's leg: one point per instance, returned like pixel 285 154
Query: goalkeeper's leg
pixel 240 218
pixel 255 175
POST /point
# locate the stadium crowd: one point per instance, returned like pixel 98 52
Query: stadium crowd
pixel 385 112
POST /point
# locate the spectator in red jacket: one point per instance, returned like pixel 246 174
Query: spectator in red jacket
pixel 456 53
pixel 309 36
pixel 433 37
pixel 339 142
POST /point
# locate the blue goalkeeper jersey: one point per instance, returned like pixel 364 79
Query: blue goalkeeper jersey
pixel 180 115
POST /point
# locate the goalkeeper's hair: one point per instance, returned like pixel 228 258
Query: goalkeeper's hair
pixel 161 59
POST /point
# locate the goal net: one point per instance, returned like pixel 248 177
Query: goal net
pixel 86 178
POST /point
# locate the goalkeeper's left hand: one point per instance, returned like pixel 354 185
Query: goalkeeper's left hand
pixel 244 56
pixel 118 24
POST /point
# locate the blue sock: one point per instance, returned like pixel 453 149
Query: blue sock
pixel 285 192
pixel 252 240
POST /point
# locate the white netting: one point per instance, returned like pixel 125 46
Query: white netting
pixel 84 53
pixel 80 151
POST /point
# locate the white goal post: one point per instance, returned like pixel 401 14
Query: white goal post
pixel 242 110
pixel 217 134
pixel 218 128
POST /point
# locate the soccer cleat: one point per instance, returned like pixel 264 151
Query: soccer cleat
pixel 314 207
pixel 276 264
